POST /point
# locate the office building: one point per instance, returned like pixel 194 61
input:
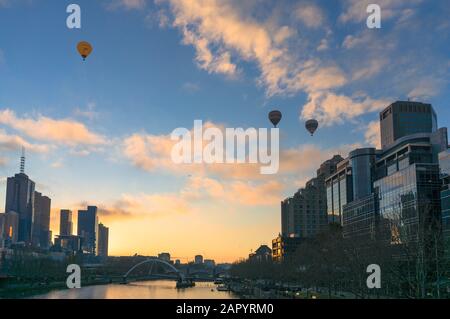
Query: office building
pixel 209 263
pixel 164 257
pixel 103 239
pixel 65 222
pixel 339 190
pixel 2 227
pixel 69 243
pixel 444 164
pixel 20 199
pixel 403 118
pixel 198 259
pixel 404 204
pixel 304 215
pixel 41 223
pixel 88 229
pixel 285 248
pixel 11 227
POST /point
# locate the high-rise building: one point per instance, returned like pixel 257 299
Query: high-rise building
pixel 305 214
pixel 65 222
pixel 20 199
pixel 406 118
pixel 404 206
pixel 69 243
pixel 339 189
pixel 103 238
pixel 88 229
pixel 198 259
pixel 11 227
pixel 41 223
pixel 2 226
pixel 164 256
pixel 444 164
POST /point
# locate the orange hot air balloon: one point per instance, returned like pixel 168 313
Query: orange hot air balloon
pixel 85 49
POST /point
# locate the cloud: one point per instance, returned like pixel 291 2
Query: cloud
pixel 127 4
pixel 66 132
pixel 356 10
pixel 329 108
pixel 372 68
pixel 152 153
pixel 237 192
pixel 191 87
pixel 14 143
pixel 89 112
pixel 426 88
pixel 217 30
pixel 223 34
pixel 310 15
pixel 3 161
pixel 372 134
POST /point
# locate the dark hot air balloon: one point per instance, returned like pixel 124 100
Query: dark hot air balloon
pixel 85 49
pixel 311 126
pixel 275 117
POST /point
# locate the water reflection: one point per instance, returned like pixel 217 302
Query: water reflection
pixel 160 289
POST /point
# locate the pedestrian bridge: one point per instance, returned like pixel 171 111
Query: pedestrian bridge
pixel 154 261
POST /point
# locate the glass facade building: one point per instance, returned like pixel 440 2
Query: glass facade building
pixel 41 226
pixel 88 229
pixel 444 164
pixel 103 240
pixel 339 191
pixel 65 222
pixel 360 218
pixel 409 203
pixel 398 198
pixel 20 199
pixel 404 118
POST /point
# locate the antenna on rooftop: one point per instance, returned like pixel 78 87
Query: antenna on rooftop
pixel 22 161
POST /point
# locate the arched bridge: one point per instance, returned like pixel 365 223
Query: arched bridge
pixel 154 260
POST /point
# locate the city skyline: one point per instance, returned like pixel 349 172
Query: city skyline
pixel 98 132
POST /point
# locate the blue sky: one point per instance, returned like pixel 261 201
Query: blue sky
pixel 96 131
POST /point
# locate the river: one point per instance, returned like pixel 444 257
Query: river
pixel 159 289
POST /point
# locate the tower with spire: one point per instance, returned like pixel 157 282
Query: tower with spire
pixel 22 161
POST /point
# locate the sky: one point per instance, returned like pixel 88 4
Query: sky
pixel 98 132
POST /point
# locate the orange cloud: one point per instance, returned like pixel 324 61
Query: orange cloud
pixel 15 142
pixel 66 132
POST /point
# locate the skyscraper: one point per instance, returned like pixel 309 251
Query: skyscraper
pixel 406 118
pixel 20 199
pixel 2 227
pixel 404 206
pixel 65 223
pixel 103 240
pixel 41 224
pixel 88 229
pixel 339 189
pixel 11 227
pixel 444 164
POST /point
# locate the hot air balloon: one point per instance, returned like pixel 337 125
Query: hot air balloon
pixel 275 117
pixel 84 48
pixel 311 126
